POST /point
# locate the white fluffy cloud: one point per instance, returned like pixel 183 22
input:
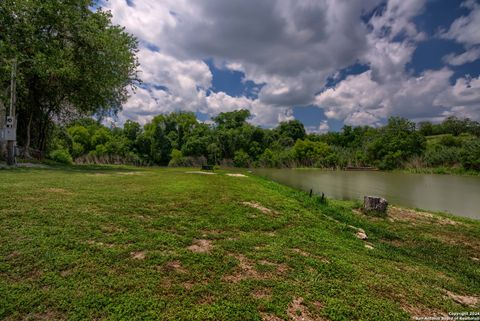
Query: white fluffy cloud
pixel 465 29
pixel 468 56
pixel 291 48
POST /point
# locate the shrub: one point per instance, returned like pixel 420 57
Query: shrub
pixel 61 156
pixel 177 158
pixel 267 159
pixel 439 155
pixel 309 152
pixel 449 140
pixel 470 154
pixel 241 159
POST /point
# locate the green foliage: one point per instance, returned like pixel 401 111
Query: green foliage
pixel 101 137
pixel 178 139
pixel 397 142
pixel 241 159
pixel 176 159
pixel 61 156
pixel 80 135
pixel 312 153
pixel 449 140
pixel 231 120
pixel 470 154
pixel 291 131
pixel 440 155
pixel 71 61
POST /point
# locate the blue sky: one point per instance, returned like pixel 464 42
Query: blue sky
pixel 324 62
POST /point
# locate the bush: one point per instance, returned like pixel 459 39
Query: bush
pixel 439 155
pixel 449 140
pixel 391 161
pixel 311 153
pixel 267 159
pixel 470 155
pixel 61 156
pixel 177 159
pixel 241 159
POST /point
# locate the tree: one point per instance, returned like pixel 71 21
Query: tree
pixel 289 132
pixel 71 61
pixel 396 142
pixel 241 159
pixel 311 153
pixel 131 130
pixel 233 119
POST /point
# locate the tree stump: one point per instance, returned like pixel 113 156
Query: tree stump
pixel 374 205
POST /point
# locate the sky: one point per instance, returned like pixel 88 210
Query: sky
pixel 326 63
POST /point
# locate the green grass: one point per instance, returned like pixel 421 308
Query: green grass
pixel 68 237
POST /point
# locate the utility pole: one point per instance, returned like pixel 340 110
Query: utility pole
pixel 3 118
pixel 11 126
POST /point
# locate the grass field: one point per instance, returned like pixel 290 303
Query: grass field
pixel 85 243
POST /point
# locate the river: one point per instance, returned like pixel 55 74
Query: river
pixel 457 195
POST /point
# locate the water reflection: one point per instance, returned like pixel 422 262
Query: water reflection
pixel 459 195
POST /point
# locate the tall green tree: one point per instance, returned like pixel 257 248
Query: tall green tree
pixel 72 61
pixel 397 142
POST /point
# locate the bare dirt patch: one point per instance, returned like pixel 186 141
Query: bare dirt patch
pixel 130 173
pixel 211 233
pixel 207 299
pixel 269 317
pixel 111 229
pixel 98 174
pixel 139 255
pixel 463 299
pixel 299 312
pixel 201 246
pixel 13 255
pixel 301 252
pixel 201 173
pixel 246 270
pixel 421 311
pixel 60 191
pixel 175 266
pixel 101 244
pixel 263 293
pixel 48 315
pixel 236 175
pixel 403 214
pixel 457 239
pixel 259 207
pixel 306 254
pixel 369 246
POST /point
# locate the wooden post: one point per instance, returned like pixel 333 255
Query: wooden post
pixel 13 100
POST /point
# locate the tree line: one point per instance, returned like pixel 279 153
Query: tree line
pixel 68 65
pixel 179 139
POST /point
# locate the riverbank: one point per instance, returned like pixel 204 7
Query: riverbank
pixel 117 242
pixel 441 171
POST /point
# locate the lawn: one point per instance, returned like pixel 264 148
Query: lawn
pixel 121 243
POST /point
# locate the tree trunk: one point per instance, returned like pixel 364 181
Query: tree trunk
pixel 11 153
pixel 26 152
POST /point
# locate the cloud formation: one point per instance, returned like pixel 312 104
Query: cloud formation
pixel 292 48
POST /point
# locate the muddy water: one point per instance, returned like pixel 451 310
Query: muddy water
pixel 458 195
